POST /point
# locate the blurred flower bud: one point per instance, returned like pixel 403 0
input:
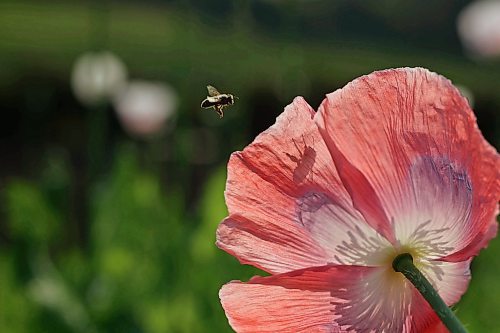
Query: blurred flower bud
pixel 97 76
pixel 479 28
pixel 144 107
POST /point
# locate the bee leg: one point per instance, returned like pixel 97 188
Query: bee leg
pixel 219 111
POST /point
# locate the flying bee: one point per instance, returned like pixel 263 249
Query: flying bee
pixel 217 101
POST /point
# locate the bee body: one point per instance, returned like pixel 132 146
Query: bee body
pixel 217 101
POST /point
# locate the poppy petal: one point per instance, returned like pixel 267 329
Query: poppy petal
pixel 290 302
pixel 450 279
pixel 382 126
pixel 274 248
pixel 327 299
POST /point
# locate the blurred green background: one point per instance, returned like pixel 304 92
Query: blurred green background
pixel 108 215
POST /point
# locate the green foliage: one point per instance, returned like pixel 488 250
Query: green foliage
pixel 17 311
pixel 150 267
pixel 29 214
pixel 136 232
pixel 212 211
pixel 482 301
pixel 211 267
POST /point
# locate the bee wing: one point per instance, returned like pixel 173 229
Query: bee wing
pixel 212 91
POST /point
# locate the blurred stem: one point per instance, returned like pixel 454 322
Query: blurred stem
pixel 97 122
pixel 403 263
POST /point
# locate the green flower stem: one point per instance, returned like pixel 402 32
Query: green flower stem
pixel 403 263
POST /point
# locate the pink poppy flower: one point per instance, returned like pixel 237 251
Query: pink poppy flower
pixel 324 201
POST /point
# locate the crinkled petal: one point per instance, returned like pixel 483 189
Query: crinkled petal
pixel 274 185
pixel 387 129
pixel 272 248
pixel 299 301
pixel 293 157
pixel 327 299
